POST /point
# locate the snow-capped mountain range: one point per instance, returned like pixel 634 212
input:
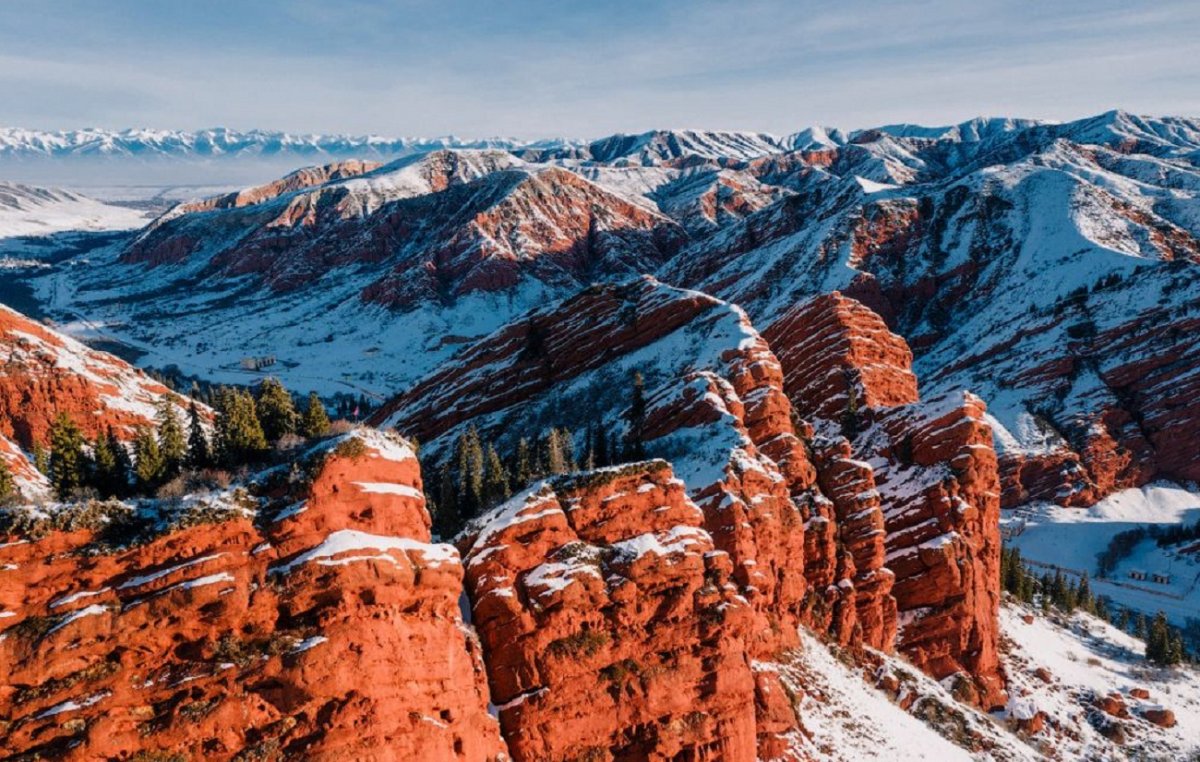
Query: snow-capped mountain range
pixel 1047 267
pixel 19 143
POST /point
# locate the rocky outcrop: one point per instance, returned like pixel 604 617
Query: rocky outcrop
pixel 861 605
pixel 611 627
pixel 715 408
pixel 936 473
pixel 818 538
pixel 838 353
pixel 914 488
pixel 46 373
pixel 248 633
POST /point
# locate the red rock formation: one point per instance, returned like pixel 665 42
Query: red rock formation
pixel 715 402
pixel 941 496
pixel 1164 718
pixel 932 470
pixel 46 373
pixel 850 485
pixel 306 177
pixel 469 221
pixel 609 622
pixel 836 350
pixel 330 632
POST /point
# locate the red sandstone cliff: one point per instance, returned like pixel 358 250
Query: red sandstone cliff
pixel 331 631
pixel 931 468
pixel 719 412
pixel 611 627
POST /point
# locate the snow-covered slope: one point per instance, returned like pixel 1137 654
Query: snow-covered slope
pixel 46 374
pixel 1060 667
pixel 30 211
pixel 1056 278
pixel 670 147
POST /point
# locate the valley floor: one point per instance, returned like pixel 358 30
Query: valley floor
pixel 1069 538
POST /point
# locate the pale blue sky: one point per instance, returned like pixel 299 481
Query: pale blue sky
pixel 537 69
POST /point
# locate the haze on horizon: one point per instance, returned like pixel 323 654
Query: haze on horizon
pixel 534 69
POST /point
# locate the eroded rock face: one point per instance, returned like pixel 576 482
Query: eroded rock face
pixel 611 627
pixel 434 227
pixel 937 476
pixel 864 584
pixel 252 637
pixel 715 408
pixel 833 350
pixel 913 528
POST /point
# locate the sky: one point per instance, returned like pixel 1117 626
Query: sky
pixel 534 69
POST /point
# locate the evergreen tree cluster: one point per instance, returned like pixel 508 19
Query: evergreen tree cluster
pixel 1164 644
pixel 476 477
pixel 245 426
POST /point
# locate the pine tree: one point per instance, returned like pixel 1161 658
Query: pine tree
pixel 1025 591
pixel 603 458
pixel 68 463
pixel 110 475
pixel 495 480
pixel 275 410
pixel 315 423
pixel 171 444
pixel 198 453
pixel 239 436
pixel 1084 596
pixel 635 438
pixel 1176 653
pixel 1011 569
pixel 523 470
pixel 1123 620
pixel 589 460
pixel 8 484
pixel 449 518
pixel 41 459
pixel 1102 609
pixel 566 445
pixel 469 460
pixel 1140 629
pixel 1158 642
pixel 149 466
pixel 555 462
